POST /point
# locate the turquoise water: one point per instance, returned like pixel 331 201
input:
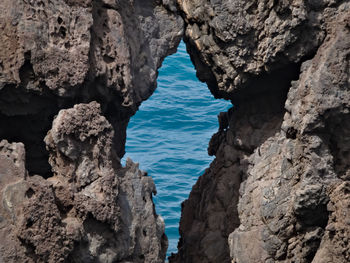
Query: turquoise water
pixel 169 136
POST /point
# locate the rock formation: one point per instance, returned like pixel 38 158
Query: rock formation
pixel 91 210
pixel 73 72
pixel 277 190
pixel 55 54
pixel 68 199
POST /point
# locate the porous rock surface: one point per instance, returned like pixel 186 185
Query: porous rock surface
pixel 234 42
pixel 278 189
pixel 73 72
pixel 54 54
pixel 91 210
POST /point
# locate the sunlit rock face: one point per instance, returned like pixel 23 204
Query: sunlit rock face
pixel 72 73
pixel 276 191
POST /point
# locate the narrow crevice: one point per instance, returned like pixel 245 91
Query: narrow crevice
pixel 26 72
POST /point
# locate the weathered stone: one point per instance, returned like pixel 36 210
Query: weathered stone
pixel 13 189
pixel 55 54
pixel 277 190
pixel 91 210
pixel 78 204
pixel 234 42
pixel 285 67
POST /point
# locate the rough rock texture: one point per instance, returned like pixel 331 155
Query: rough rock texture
pixel 70 200
pixel 234 42
pixel 54 54
pixel 278 188
pixel 13 192
pixel 91 210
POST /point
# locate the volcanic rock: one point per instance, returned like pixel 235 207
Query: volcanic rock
pixel 91 210
pixel 277 187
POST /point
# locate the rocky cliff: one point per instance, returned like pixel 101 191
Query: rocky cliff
pixel 278 189
pixel 72 73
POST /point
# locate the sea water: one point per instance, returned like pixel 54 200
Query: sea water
pixel 169 136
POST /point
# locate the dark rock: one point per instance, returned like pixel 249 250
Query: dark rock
pixel 91 210
pixel 59 53
pixel 78 204
pixel 278 188
pixel 284 65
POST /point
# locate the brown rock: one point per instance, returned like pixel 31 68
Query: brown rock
pixel 91 210
pixel 285 68
pixel 55 54
pixel 13 189
pixel 233 42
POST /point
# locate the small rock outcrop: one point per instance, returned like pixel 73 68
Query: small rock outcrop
pixel 276 191
pixel 91 210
